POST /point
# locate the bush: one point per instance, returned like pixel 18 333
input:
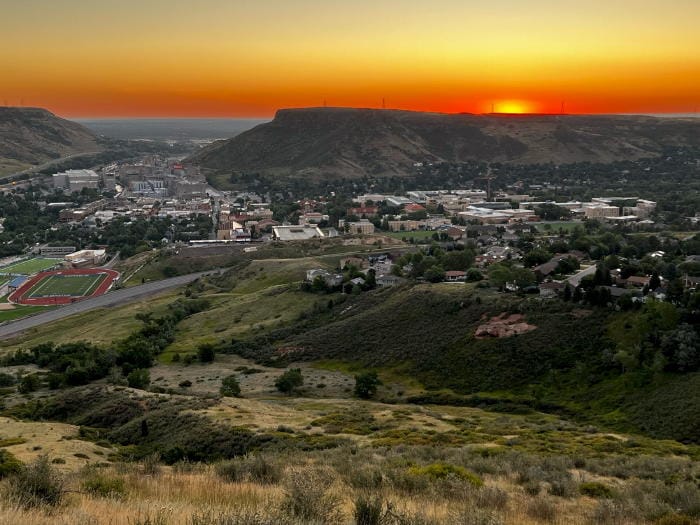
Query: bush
pixel 186 383
pixel 308 498
pixel 7 379
pixel 444 471
pixel 29 383
pixel 289 381
pixel 230 387
pixel 37 484
pixel 100 485
pixel 139 378
pixel 542 509
pixel 369 510
pixel 206 353
pixel 676 519
pixel 257 469
pixel 8 464
pixel 595 490
pixel 366 385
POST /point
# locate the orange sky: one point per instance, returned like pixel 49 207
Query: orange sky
pixel 250 57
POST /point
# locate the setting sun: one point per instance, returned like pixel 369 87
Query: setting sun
pixel 512 107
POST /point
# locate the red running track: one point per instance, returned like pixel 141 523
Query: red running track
pixel 18 296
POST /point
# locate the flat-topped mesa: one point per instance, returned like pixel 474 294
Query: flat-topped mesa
pixel 329 142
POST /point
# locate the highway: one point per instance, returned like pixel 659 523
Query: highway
pixel 115 298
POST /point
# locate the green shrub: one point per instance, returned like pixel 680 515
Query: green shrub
pixel 98 484
pixel 595 490
pixel 289 381
pixel 254 468
pixel 37 484
pixel 444 471
pixel 139 378
pixel 206 353
pixel 366 385
pixel 230 387
pixel 8 464
pixel 29 383
pixel 7 379
pixel 542 509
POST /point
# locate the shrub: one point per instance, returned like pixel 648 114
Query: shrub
pixel 206 353
pixel 308 498
pixel 366 385
pixel 289 381
pixel 29 383
pixel 369 510
pixel 542 509
pixel 469 515
pixel 230 387
pixel 595 490
pixel 7 379
pixel 100 485
pixel 444 471
pixel 37 484
pixel 676 519
pixel 8 464
pixel 186 383
pixel 139 378
pixel 257 468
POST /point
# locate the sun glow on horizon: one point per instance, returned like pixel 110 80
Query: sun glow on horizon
pixel 513 107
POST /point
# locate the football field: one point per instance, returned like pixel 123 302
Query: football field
pixel 30 266
pixel 66 286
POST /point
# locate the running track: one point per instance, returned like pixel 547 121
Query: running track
pixel 115 298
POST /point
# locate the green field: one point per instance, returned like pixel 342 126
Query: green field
pixel 20 311
pixel 30 266
pixel 66 285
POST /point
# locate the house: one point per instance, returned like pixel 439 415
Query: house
pixel 389 280
pixel 551 289
pixel 331 279
pixel 637 281
pixel 363 211
pixel 455 276
pixel 359 281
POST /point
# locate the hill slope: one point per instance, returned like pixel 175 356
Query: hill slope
pixel 344 142
pixel 32 136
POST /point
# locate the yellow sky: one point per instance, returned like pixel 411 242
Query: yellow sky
pixel 248 58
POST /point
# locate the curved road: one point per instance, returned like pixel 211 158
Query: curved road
pixel 117 297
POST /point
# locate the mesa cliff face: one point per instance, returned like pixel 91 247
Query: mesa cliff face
pixel 345 142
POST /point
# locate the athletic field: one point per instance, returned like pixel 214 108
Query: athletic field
pixel 58 285
pixel 64 286
pixel 30 266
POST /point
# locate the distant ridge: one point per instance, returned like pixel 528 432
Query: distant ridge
pixel 33 136
pixel 348 142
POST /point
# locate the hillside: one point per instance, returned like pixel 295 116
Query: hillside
pixel 33 136
pixel 344 142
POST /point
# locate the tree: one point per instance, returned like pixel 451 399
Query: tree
pixel 434 274
pixel 206 353
pixel 289 381
pixel 230 387
pixel 366 385
pixel 654 281
pixel 473 274
pixel 29 383
pixel 139 378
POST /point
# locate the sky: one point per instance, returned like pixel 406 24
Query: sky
pixel 248 58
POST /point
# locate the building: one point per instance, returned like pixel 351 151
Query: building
pixel 601 211
pixel 331 279
pixel 76 180
pixel 389 280
pixel 363 211
pixel 363 226
pixel 83 258
pixel 296 233
pixel 455 276
pixel 56 251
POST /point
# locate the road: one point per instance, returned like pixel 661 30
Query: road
pixel 575 279
pixel 117 297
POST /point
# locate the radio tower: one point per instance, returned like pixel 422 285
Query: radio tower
pixel 383 103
